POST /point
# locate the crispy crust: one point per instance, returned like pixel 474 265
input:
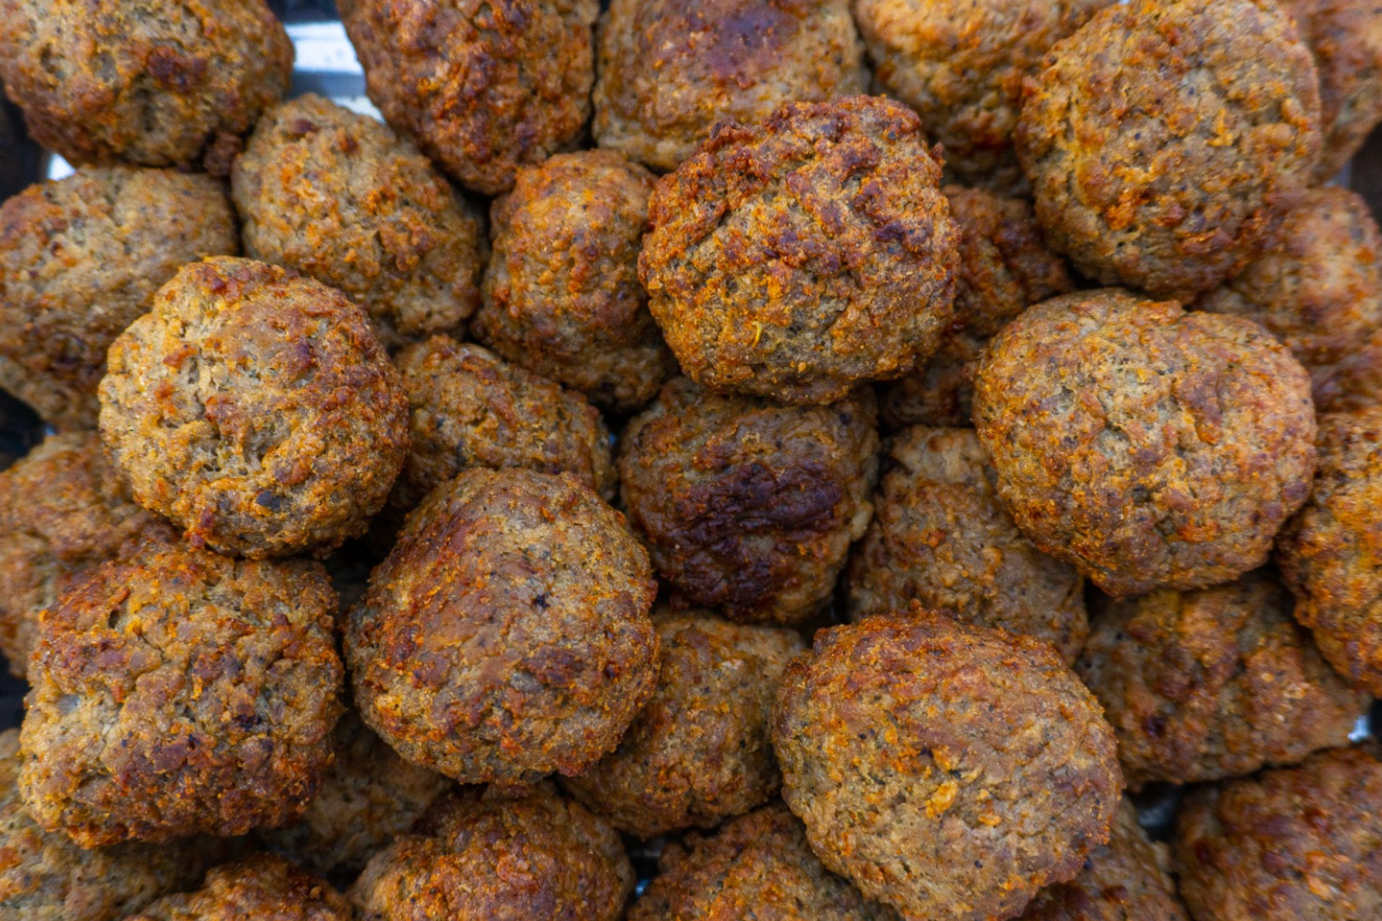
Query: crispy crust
pixel 1346 38
pixel 261 888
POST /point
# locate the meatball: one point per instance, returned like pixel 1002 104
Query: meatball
pixel 256 409
pixel 526 856
pixel 756 866
pixel 80 259
pixel 368 797
pixel 940 541
pixel 796 257
pixel 506 636
pixel 1162 136
pixel 960 64
pixel 949 770
pixel 340 197
pixel 1302 842
pixel 1127 879
pixel 45 877
pixel 746 505
pixel 154 82
pixel 1331 553
pixel 1346 38
pixel 1150 447
pixel 699 750
pixel 262 888
pixel 180 692
pixel 472 409
pixel 669 71
pixel 483 88
pixel 1318 288
pixel 63 511
pixel 561 294
pixel 1213 683
pixel 1004 268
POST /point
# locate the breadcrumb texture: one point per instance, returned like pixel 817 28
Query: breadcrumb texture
pixel 262 888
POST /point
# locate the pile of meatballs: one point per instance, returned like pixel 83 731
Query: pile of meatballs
pixel 842 449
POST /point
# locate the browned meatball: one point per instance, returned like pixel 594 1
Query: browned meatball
pixel 483 87
pixel 1150 447
pixel 259 888
pixel 757 866
pixel 1127 879
pixel 368 797
pixel 1331 553
pixel 472 409
pixel 340 197
pixel 949 770
pixel 531 856
pixel 796 257
pixel 746 505
pixel 960 64
pixel 157 82
pixel 1346 38
pixel 669 70
pixel 256 409
pixel 63 510
pixel 180 692
pixel 940 541
pixel 80 259
pixel 1290 844
pixel 1162 136
pixel 562 296
pixel 699 751
pixel 1318 288
pixel 1005 267
pixel 506 636
pixel 1213 683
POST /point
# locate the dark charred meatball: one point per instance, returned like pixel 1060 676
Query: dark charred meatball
pixel 368 797
pixel 669 71
pixel 562 296
pixel 80 259
pixel 1346 38
pixel 949 770
pixel 506 636
pixel 340 197
pixel 256 409
pixel 259 888
pixel 796 257
pixel 960 64
pixel 530 856
pixel 470 409
pixel 1318 288
pixel 1150 447
pixel 1127 879
pixel 483 87
pixel 63 510
pixel 757 866
pixel 155 82
pixel 1295 843
pixel 1331 553
pixel 1161 138
pixel 181 692
pixel 940 541
pixel 746 505
pixel 1213 683
pixel 699 751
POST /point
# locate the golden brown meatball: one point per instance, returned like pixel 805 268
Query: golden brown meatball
pixel 793 258
pixel 1346 38
pixel 256 409
pixel 1150 447
pixel 80 259
pixel 259 888
pixel 562 296
pixel 1162 136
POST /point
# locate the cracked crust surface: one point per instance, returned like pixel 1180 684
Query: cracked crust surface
pixel 793 258
pixel 1150 447
pixel 948 770
pixel 258 888
pixel 1162 137
pixel 181 693
pixel 256 409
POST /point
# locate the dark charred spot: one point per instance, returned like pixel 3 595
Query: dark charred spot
pixel 175 70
